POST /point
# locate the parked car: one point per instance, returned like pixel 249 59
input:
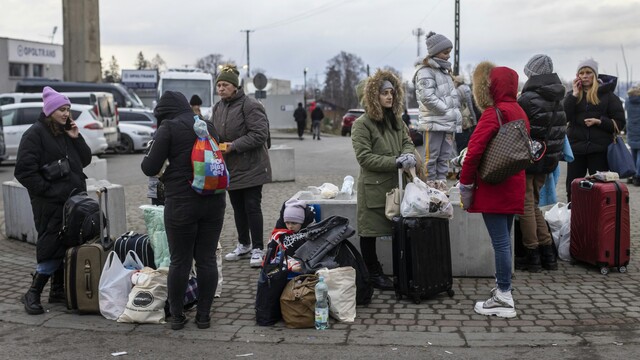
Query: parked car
pixel 416 135
pixel 138 116
pixel 103 102
pixel 133 137
pixel 17 118
pixel 348 119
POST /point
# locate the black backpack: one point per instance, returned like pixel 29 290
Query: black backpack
pixel 81 219
pixel 348 255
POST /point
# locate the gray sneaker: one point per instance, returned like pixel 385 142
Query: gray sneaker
pixel 499 304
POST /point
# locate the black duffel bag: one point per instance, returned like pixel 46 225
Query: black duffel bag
pixel 138 243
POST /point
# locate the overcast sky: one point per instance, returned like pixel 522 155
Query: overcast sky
pixel 292 34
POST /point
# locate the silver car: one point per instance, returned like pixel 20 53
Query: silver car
pixel 17 118
pixel 133 138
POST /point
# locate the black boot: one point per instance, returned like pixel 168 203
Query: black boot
pixel 529 262
pixel 378 279
pixel 31 299
pixel 57 293
pixel 548 257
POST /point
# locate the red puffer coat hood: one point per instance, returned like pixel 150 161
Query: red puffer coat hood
pixel 494 88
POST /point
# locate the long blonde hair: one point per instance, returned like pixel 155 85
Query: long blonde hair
pixel 592 92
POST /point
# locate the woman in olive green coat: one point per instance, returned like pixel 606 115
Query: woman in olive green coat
pixel 381 144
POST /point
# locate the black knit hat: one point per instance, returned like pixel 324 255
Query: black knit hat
pixel 195 100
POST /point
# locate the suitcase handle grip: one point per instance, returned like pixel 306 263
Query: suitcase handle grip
pixel 586 184
pixel 87 280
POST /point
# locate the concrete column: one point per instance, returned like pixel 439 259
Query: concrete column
pixel 81 20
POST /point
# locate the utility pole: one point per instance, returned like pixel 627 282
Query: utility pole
pixel 456 48
pixel 418 34
pixel 304 91
pixel 248 63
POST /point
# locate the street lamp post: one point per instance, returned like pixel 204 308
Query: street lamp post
pixel 304 90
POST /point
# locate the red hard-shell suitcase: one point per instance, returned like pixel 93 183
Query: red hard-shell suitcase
pixel 600 228
pixel 421 257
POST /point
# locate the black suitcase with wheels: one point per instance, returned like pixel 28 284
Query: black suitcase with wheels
pixel 139 243
pixel 421 257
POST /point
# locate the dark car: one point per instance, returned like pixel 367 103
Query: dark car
pixel 348 119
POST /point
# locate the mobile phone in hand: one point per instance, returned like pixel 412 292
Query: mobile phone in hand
pixel 67 125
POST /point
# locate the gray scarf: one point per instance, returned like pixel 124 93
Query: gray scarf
pixel 443 63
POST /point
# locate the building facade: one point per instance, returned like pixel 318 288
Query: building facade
pixel 20 59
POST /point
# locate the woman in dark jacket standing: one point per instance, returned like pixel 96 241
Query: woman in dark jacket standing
pixel 494 89
pixel 592 109
pixel 541 99
pixel 47 141
pixel 193 221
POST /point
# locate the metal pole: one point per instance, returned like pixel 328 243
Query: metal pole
pixel 248 63
pixel 418 33
pixel 456 49
pixel 304 90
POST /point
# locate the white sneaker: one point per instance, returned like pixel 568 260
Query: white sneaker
pixel 499 304
pixel 256 258
pixel 238 253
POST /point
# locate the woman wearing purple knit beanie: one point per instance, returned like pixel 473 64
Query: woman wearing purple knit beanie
pixel 52 140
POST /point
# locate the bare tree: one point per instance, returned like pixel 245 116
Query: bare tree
pixel 158 63
pixel 112 74
pixel 210 63
pixel 344 71
pixel 394 71
pixel 142 63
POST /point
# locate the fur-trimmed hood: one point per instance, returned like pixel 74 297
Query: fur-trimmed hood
pixel 634 91
pixel 371 98
pixel 493 84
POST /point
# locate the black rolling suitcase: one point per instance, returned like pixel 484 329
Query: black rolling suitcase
pixel 139 243
pixel 421 257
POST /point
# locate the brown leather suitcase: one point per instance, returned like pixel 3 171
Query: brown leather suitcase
pixel 83 267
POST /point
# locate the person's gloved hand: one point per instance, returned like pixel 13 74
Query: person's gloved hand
pixel 466 195
pixel 406 161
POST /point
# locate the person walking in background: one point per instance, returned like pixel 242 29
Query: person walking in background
pixel 469 119
pixel 633 128
pixel 406 118
pixel 241 123
pixel 495 90
pixel 592 109
pixel 381 143
pixel 193 222
pixel 52 138
pixel 316 120
pixel 439 107
pixel 195 103
pixel 300 116
pixel 541 99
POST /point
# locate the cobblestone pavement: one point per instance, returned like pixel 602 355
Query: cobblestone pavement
pixel 574 305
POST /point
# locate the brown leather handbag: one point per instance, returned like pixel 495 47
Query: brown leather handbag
pixel 508 153
pixel 298 302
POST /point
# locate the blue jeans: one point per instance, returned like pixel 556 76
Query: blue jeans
pixel 635 153
pixel 499 227
pixel 48 267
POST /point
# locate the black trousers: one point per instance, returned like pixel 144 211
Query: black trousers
pixel 369 253
pixel 193 225
pixel 583 163
pixel 247 213
pixel 301 126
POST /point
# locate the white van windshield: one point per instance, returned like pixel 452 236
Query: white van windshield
pixel 190 87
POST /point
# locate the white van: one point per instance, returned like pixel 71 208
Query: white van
pixel 189 82
pixel 103 104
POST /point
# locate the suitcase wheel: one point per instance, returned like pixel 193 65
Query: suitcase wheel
pixel 450 292
pixel 622 269
pixel 416 299
pixel 604 270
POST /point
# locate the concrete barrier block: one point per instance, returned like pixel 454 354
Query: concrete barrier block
pixel 97 169
pixel 18 215
pixel 283 165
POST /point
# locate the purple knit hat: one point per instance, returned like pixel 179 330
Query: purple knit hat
pixel 53 100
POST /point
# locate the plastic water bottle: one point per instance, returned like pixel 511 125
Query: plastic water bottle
pixel 347 185
pixel 322 305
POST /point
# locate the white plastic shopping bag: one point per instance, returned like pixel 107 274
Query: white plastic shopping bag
pixel 342 292
pixel 420 200
pixel 559 220
pixel 115 285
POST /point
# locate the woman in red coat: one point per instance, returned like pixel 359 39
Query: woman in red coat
pixel 494 88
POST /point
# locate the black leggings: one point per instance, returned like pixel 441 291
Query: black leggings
pixel 581 163
pixel 369 254
pixel 247 213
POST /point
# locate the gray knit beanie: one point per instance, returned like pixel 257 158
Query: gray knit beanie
pixel 437 43
pixel 590 63
pixel 386 85
pixel 539 64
